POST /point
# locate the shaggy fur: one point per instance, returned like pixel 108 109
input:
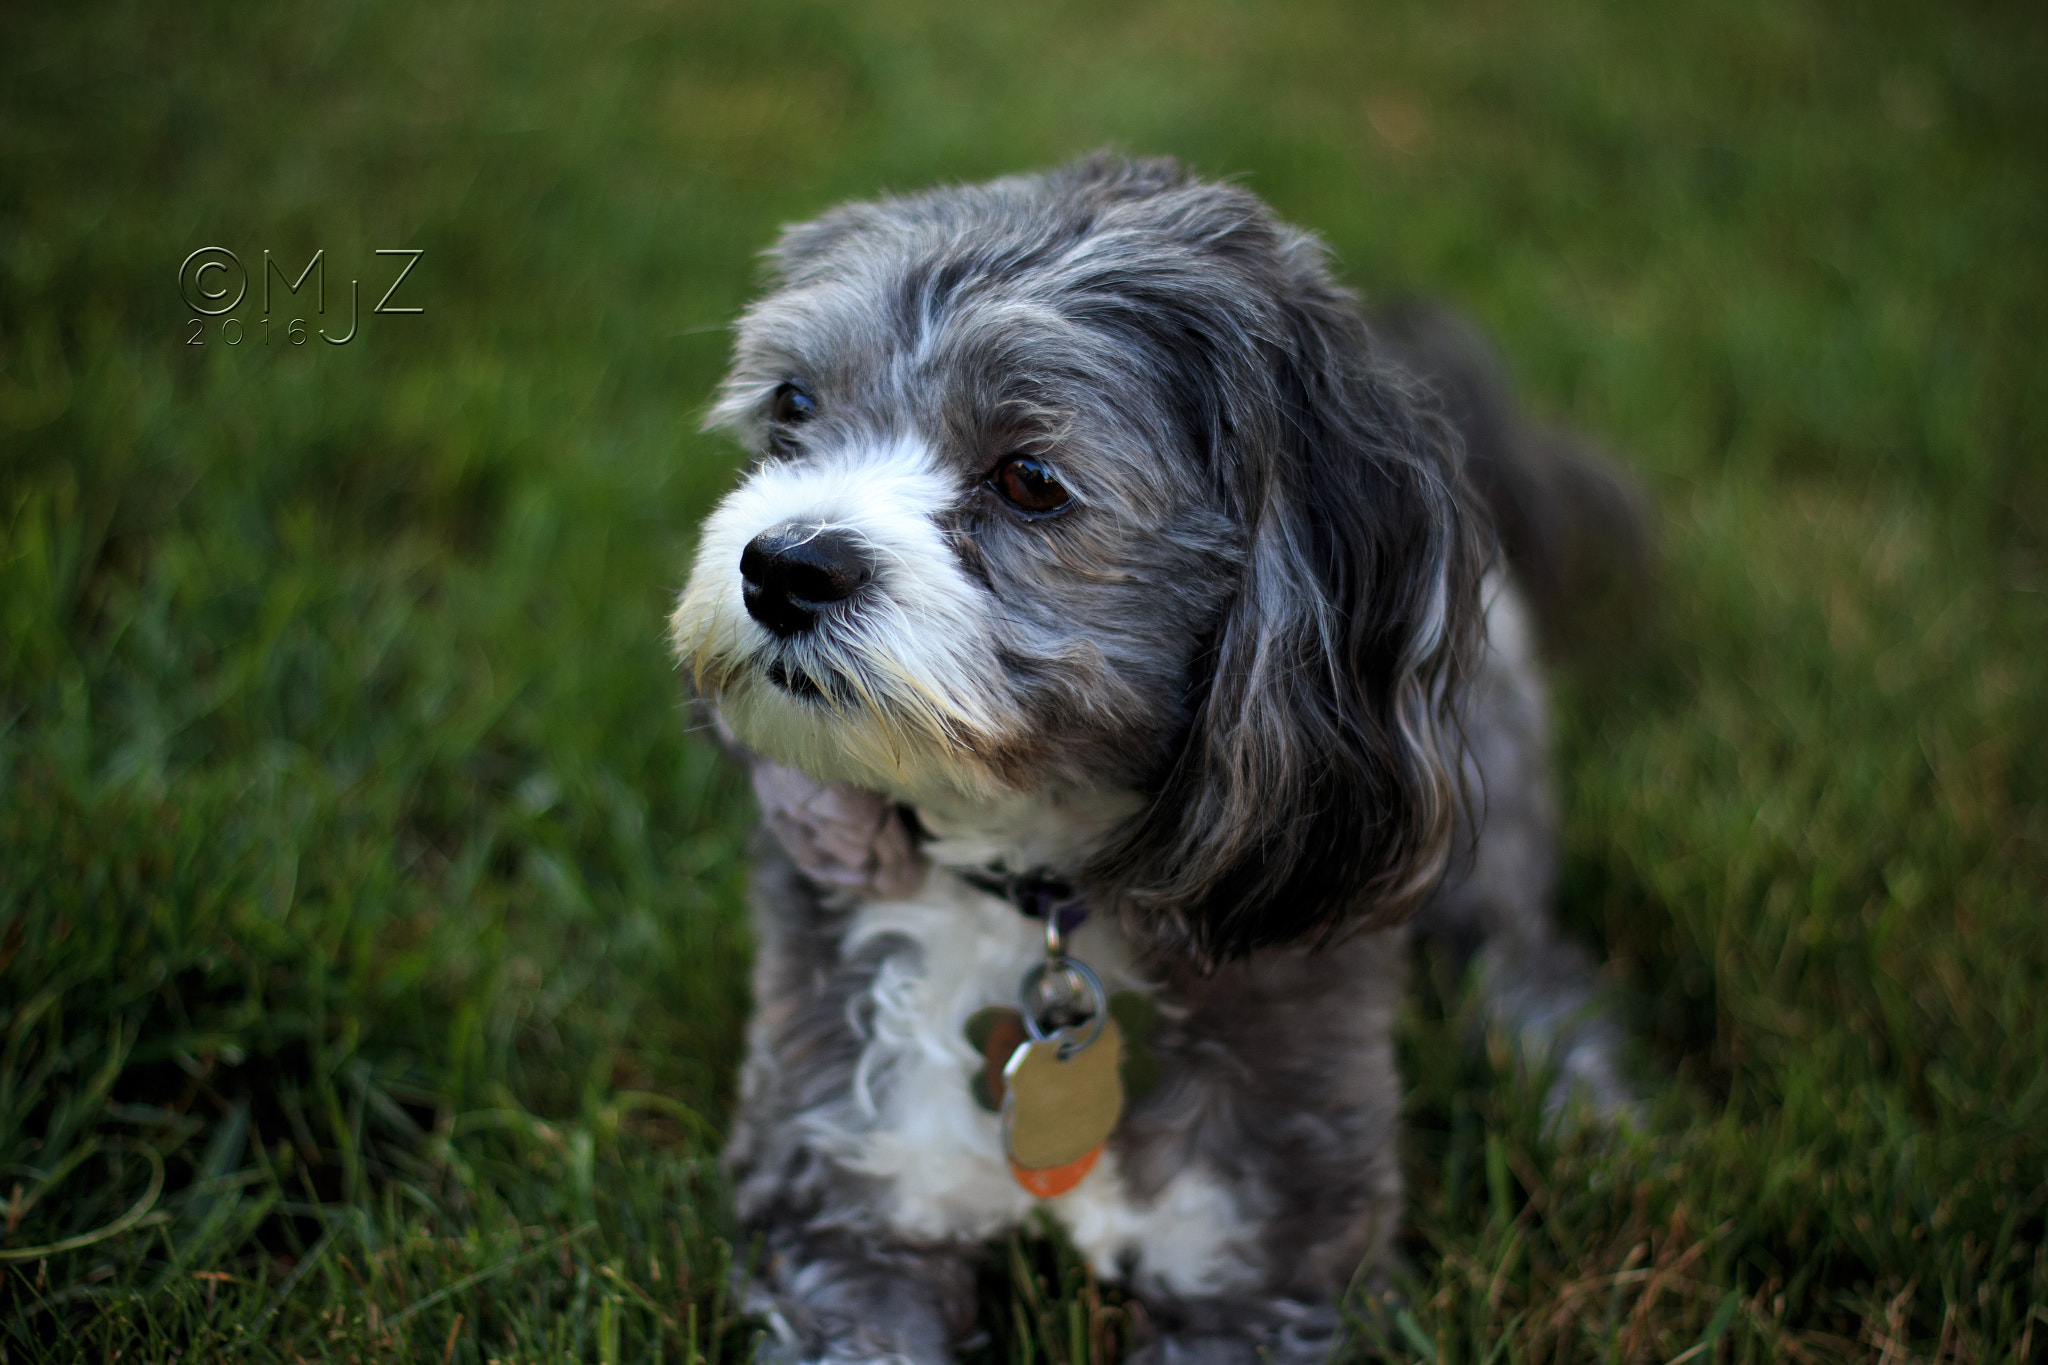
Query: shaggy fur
pixel 1256 690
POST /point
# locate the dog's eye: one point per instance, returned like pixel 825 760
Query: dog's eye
pixel 1028 485
pixel 792 405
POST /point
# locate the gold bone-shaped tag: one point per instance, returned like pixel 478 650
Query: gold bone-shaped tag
pixel 1055 1111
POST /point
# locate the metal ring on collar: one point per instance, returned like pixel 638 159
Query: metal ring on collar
pixel 1097 997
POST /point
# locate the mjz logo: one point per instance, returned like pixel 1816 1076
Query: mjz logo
pixel 213 283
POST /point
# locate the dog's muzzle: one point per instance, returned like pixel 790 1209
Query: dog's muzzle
pixel 791 575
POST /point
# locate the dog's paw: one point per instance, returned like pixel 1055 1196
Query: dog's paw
pixel 1244 1331
pixel 797 1334
pixel 1588 1086
pixel 1559 1024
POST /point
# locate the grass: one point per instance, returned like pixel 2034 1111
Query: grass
pixel 371 947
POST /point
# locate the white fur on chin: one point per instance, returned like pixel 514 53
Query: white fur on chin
pixel 908 677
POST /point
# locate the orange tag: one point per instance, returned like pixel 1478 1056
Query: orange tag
pixel 1054 1181
pixel 1059 1108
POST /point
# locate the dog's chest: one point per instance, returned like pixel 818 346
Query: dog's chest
pixel 911 1121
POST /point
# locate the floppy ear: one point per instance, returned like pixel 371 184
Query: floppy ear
pixel 1318 785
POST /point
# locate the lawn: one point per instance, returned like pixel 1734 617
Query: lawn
pixel 372 955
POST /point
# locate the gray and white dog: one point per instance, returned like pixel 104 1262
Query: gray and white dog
pixel 1096 540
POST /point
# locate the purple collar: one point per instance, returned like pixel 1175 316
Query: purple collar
pixel 1037 894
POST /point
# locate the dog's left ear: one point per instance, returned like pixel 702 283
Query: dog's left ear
pixel 1318 787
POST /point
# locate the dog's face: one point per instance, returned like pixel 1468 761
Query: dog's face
pixel 979 550
pixel 1086 483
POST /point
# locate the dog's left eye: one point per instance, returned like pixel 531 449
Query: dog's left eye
pixel 1028 485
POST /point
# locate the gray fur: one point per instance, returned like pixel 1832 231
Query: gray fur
pixel 1260 639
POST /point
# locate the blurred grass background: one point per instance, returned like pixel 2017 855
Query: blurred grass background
pixel 371 959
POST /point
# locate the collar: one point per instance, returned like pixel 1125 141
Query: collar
pixel 1037 894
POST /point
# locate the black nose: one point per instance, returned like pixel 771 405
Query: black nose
pixel 791 573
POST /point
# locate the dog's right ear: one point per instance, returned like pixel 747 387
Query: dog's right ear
pixel 1317 787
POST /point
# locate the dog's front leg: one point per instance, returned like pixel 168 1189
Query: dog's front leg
pixel 831 1279
pixel 846 1297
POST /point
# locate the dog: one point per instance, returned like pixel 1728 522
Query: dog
pixel 1113 610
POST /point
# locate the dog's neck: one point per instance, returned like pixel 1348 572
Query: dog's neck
pixel 847 836
pixel 1054 832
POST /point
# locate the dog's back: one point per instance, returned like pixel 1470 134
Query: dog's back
pixel 1574 529
pixel 1574 526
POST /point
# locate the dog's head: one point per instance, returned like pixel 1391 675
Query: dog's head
pixel 1090 482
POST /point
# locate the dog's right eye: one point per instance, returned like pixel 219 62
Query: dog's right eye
pixel 792 405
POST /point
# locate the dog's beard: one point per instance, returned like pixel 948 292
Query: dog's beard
pixel 899 689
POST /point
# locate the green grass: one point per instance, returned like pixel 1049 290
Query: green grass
pixel 372 963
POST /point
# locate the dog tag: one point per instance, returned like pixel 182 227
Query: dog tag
pixel 1058 1111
